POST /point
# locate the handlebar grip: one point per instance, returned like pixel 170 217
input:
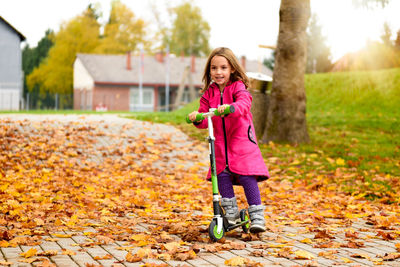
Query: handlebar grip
pixel 199 117
pixel 228 110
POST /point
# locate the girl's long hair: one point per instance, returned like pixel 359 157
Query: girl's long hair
pixel 238 72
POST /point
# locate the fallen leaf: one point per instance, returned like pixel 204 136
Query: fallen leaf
pixel 29 253
pixel 68 252
pixel 47 253
pixel 303 255
pixel 132 258
pixel 236 261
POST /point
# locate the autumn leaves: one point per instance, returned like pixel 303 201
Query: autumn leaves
pixel 111 183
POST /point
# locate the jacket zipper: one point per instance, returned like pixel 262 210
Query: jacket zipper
pixel 225 139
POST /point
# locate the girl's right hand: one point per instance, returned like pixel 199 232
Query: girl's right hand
pixel 192 116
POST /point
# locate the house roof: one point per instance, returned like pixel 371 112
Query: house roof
pixel 21 36
pixel 113 69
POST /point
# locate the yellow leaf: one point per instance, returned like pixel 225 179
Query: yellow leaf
pixel 105 257
pixel 340 162
pixel 68 252
pixel 127 248
pixel 303 255
pixel 73 220
pixel 4 243
pixel 306 241
pixel 144 253
pixel 29 260
pixel 31 252
pixel 62 235
pixel 164 256
pixel 235 261
pixel 6 263
pixel 346 260
pixel 139 237
pixel 89 188
pixel 172 246
pixel 38 221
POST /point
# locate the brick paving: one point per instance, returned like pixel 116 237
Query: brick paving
pixel 114 254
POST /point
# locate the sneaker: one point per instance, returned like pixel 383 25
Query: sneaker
pixel 256 213
pixel 231 210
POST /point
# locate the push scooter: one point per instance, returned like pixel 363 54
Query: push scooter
pixel 219 224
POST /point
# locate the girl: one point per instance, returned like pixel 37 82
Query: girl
pixel 238 157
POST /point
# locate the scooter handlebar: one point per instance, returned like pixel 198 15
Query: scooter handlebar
pixel 201 116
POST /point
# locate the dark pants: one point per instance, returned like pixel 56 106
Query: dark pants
pixel 249 184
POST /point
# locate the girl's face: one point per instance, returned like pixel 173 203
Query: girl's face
pixel 220 71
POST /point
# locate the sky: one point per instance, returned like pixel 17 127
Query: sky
pixel 237 24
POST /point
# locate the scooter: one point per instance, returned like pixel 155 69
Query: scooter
pixel 219 224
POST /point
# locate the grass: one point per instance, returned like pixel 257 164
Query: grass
pixel 356 116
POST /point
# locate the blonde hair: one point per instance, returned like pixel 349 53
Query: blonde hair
pixel 238 72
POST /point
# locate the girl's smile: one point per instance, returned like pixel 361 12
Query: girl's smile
pixel 220 71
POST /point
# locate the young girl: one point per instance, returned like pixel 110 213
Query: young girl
pixel 238 157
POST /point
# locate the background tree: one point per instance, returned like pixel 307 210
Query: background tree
pixel 397 41
pixel 386 35
pixel 54 75
pixel 286 120
pixel 270 62
pixel 318 53
pixel 190 32
pixel 31 58
pixel 123 31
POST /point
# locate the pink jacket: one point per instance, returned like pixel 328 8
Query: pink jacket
pixel 235 142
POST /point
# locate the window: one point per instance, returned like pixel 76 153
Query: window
pixel 148 99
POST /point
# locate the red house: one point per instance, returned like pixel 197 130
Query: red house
pixel 121 82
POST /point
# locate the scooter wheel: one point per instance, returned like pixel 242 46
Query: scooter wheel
pixel 243 218
pixel 213 231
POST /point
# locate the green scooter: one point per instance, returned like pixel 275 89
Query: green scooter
pixel 219 224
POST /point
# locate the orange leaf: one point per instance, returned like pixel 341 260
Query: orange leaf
pixel 31 252
pixel 144 253
pixel 68 252
pixel 4 244
pixel 132 258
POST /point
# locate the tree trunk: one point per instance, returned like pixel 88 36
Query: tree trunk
pixel 260 101
pixel 286 120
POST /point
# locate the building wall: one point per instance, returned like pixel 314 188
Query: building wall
pixel 113 97
pixel 82 78
pixel 11 75
pixel 83 99
pixel 83 87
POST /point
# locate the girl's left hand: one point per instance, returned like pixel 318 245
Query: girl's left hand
pixel 222 109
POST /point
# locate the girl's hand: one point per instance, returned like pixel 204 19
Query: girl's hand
pixel 222 108
pixel 192 116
